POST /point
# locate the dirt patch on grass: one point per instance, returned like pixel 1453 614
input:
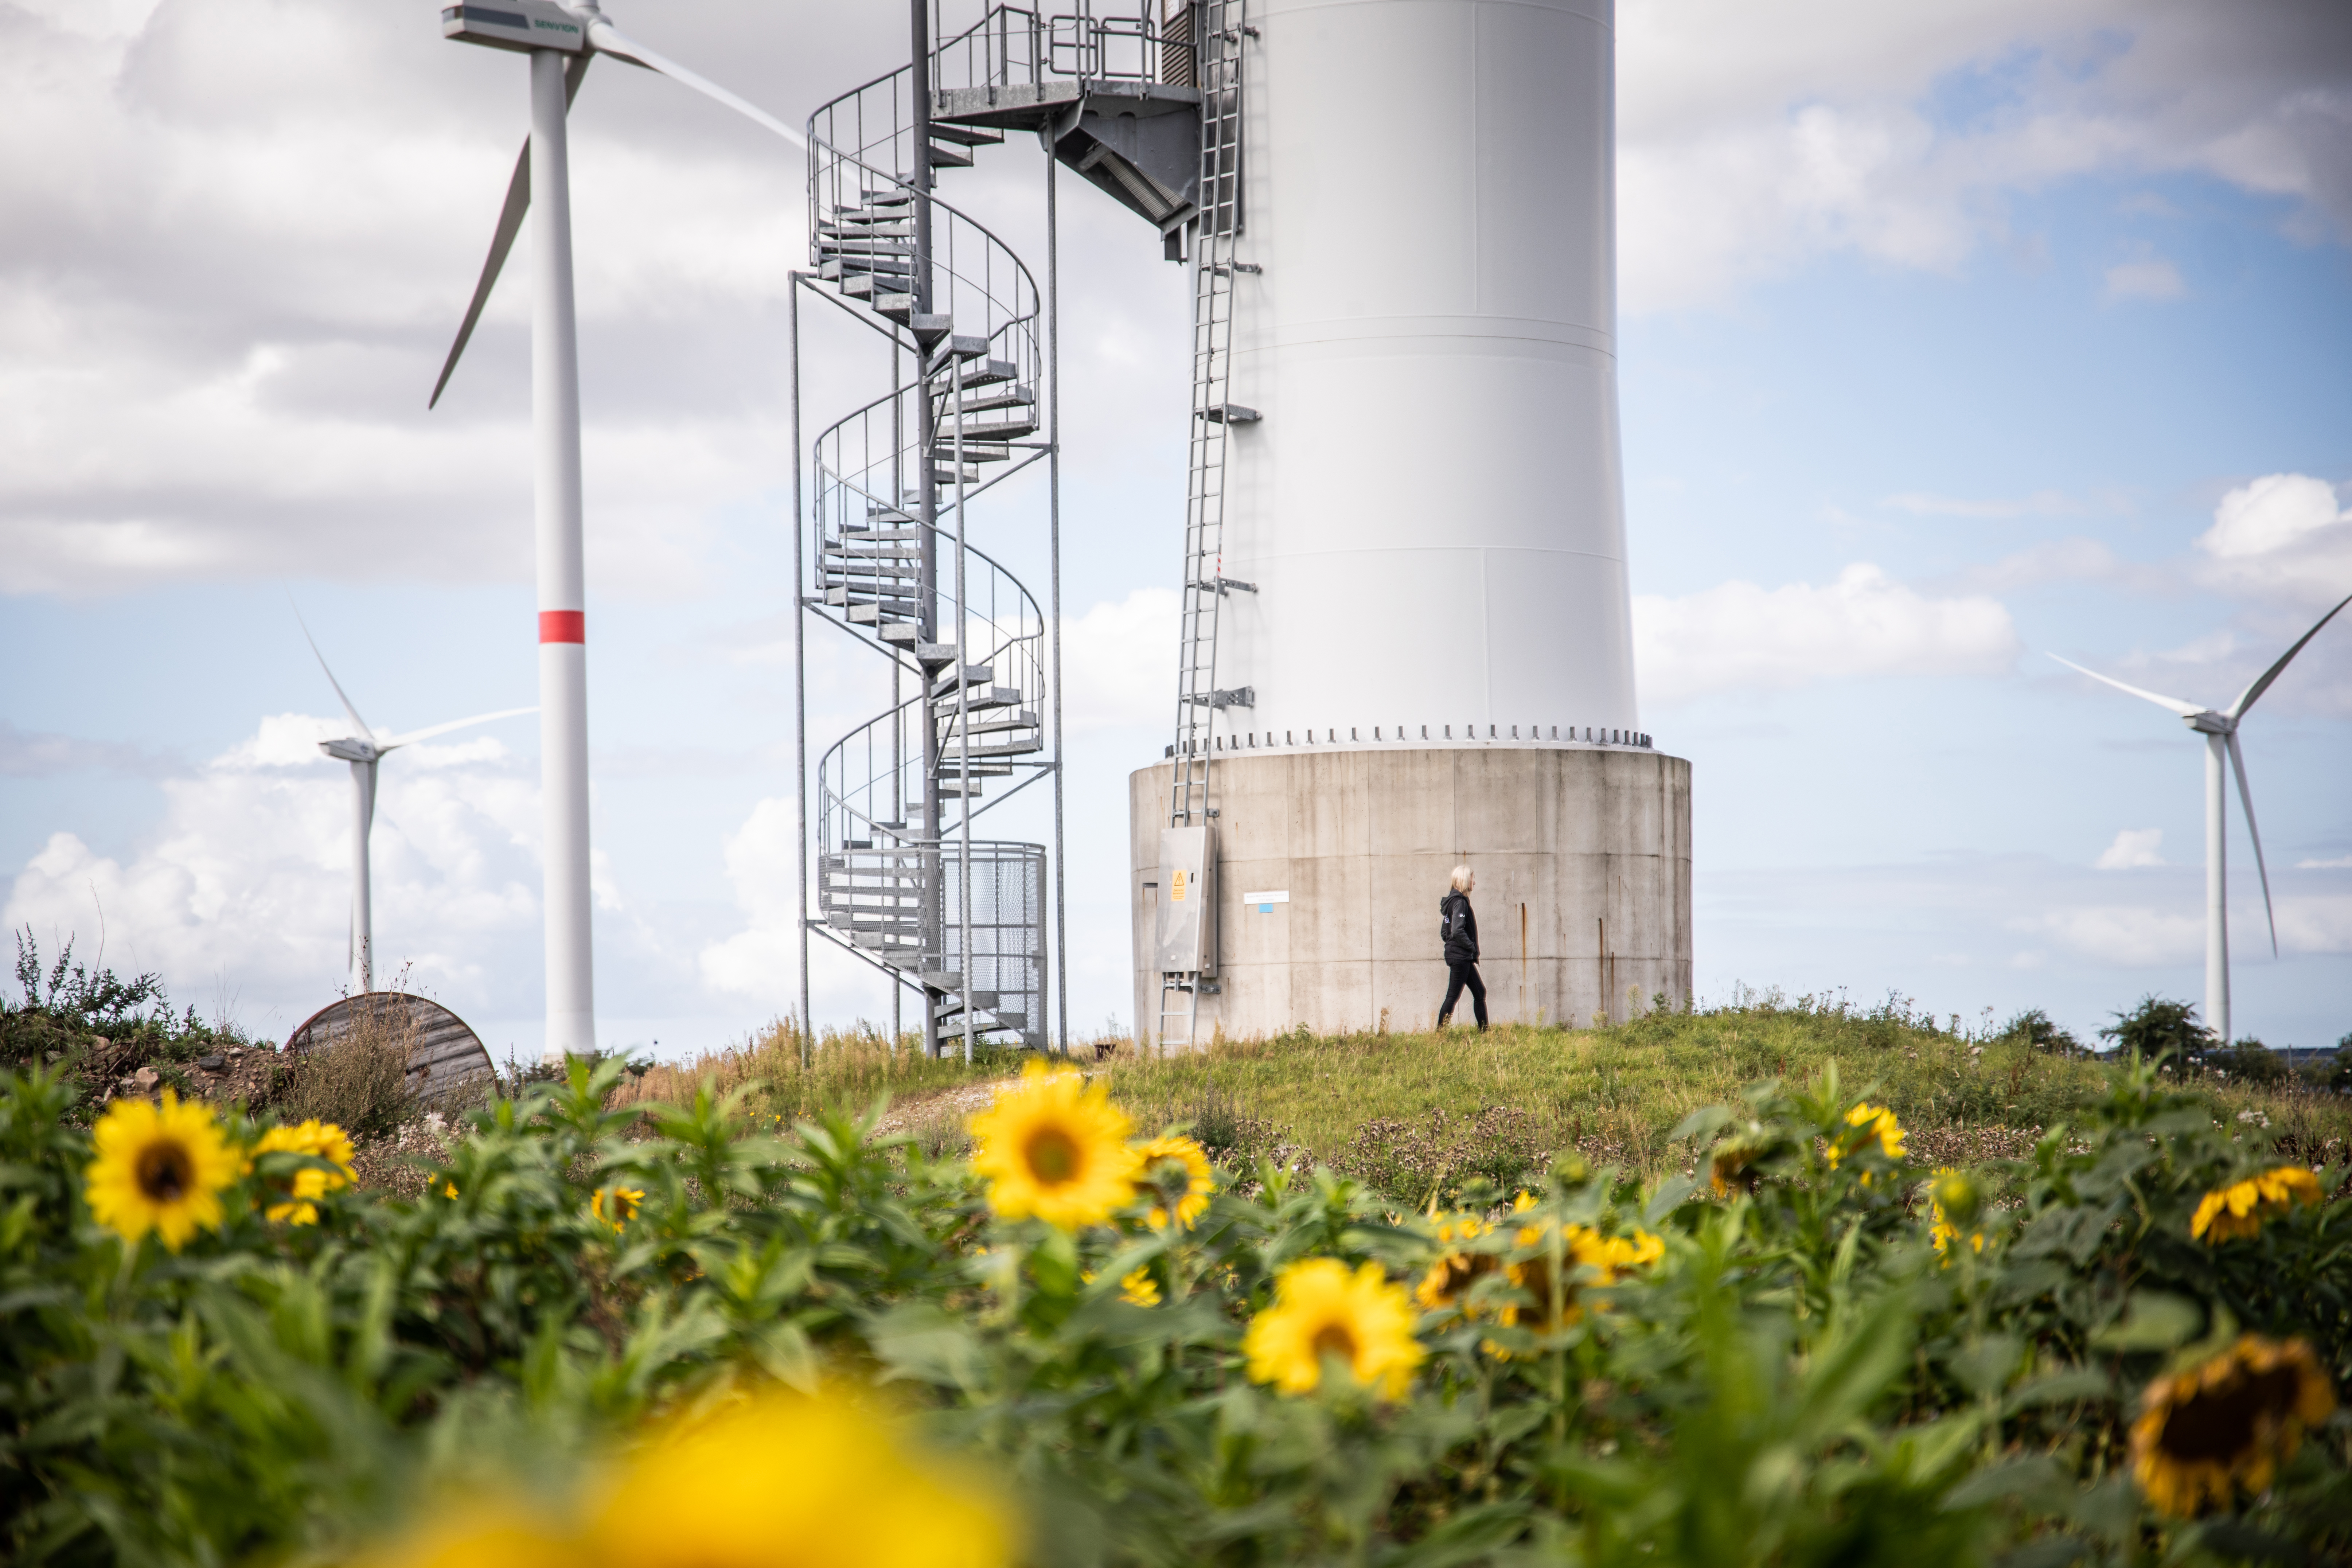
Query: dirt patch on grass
pixel 935 1118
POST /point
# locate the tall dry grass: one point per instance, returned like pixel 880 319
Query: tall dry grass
pixel 846 1070
pixel 361 1081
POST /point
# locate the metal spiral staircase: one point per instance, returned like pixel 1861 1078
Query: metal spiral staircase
pixel 901 879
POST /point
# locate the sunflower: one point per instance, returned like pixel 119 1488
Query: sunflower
pixel 1879 1124
pixel 2229 1422
pixel 1139 1288
pixel 1953 1201
pixel 1199 1180
pixel 780 1478
pixel 1321 1309
pixel 479 1534
pixel 1054 1148
pixel 159 1168
pixel 2239 1209
pixel 616 1206
pixel 298 1195
pixel 1556 1304
pixel 1455 1270
pixel 1734 1165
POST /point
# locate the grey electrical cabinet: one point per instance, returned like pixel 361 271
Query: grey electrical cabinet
pixel 1185 932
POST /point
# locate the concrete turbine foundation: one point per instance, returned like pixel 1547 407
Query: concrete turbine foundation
pixel 1330 864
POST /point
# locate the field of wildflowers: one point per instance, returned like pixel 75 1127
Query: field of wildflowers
pixel 685 1334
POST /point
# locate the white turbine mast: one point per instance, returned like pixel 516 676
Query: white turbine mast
pixel 561 40
pixel 2221 731
pixel 362 751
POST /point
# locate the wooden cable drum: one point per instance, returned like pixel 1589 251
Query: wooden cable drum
pixel 446 1060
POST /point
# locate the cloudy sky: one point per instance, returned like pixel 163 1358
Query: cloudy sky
pixel 1954 336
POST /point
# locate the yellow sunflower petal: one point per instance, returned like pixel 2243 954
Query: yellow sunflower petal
pixel 160 1167
pixel 1056 1149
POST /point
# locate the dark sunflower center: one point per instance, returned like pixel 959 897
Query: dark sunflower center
pixel 165 1172
pixel 2222 1425
pixel 1053 1156
pixel 1461 1269
pixel 1333 1338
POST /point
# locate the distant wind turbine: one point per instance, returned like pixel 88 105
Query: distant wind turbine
pixel 2221 732
pixel 560 40
pixel 364 750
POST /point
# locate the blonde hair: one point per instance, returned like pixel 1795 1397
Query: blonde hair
pixel 1460 879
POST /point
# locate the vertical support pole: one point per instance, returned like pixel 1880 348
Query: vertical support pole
pixel 800 667
pixel 2217 888
pixel 898 694
pixel 563 621
pixel 1053 550
pixel 933 924
pixel 363 894
pixel 964 961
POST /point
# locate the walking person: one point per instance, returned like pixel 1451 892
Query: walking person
pixel 1458 924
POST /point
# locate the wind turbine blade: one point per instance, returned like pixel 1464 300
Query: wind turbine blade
pixel 433 730
pixel 502 240
pixel 2246 698
pixel 2186 709
pixel 2246 799
pixel 353 713
pixel 613 41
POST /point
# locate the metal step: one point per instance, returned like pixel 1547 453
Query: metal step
pixel 958 346
pixel 950 158
pixel 974 451
pixel 947 477
pixel 973 675
pixel 1018 397
pixel 978 373
pixel 855 229
pixel 900 308
pixel 877 614
pixel 991 430
pixel 969 135
pixel 949 755
pixel 991 697
pixel 995 721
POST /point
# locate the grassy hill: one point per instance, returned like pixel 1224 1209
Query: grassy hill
pixel 1404 1108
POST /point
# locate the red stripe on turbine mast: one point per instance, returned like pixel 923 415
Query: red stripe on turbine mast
pixel 563 625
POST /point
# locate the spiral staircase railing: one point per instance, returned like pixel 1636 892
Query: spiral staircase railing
pixel 901 880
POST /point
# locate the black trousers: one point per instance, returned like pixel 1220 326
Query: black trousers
pixel 1457 976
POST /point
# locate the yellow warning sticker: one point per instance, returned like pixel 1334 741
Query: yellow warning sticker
pixel 1176 887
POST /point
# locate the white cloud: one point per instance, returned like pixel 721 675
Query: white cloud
pixel 1117 661
pixel 2125 934
pixel 762 960
pixel 2281 537
pixel 2135 936
pixel 1739 637
pixel 2341 863
pixel 1753 138
pixel 247 877
pixel 2153 277
pixel 2133 848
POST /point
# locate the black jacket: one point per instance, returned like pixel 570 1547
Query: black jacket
pixel 1457 923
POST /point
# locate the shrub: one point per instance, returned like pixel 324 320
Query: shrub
pixel 2164 1033
pixel 2038 1030
pixel 1833 1360
pixel 359 1080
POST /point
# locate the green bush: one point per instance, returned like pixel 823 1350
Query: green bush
pixel 1827 1363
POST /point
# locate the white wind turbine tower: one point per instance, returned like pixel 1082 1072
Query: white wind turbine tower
pixel 560 40
pixel 364 750
pixel 2221 732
